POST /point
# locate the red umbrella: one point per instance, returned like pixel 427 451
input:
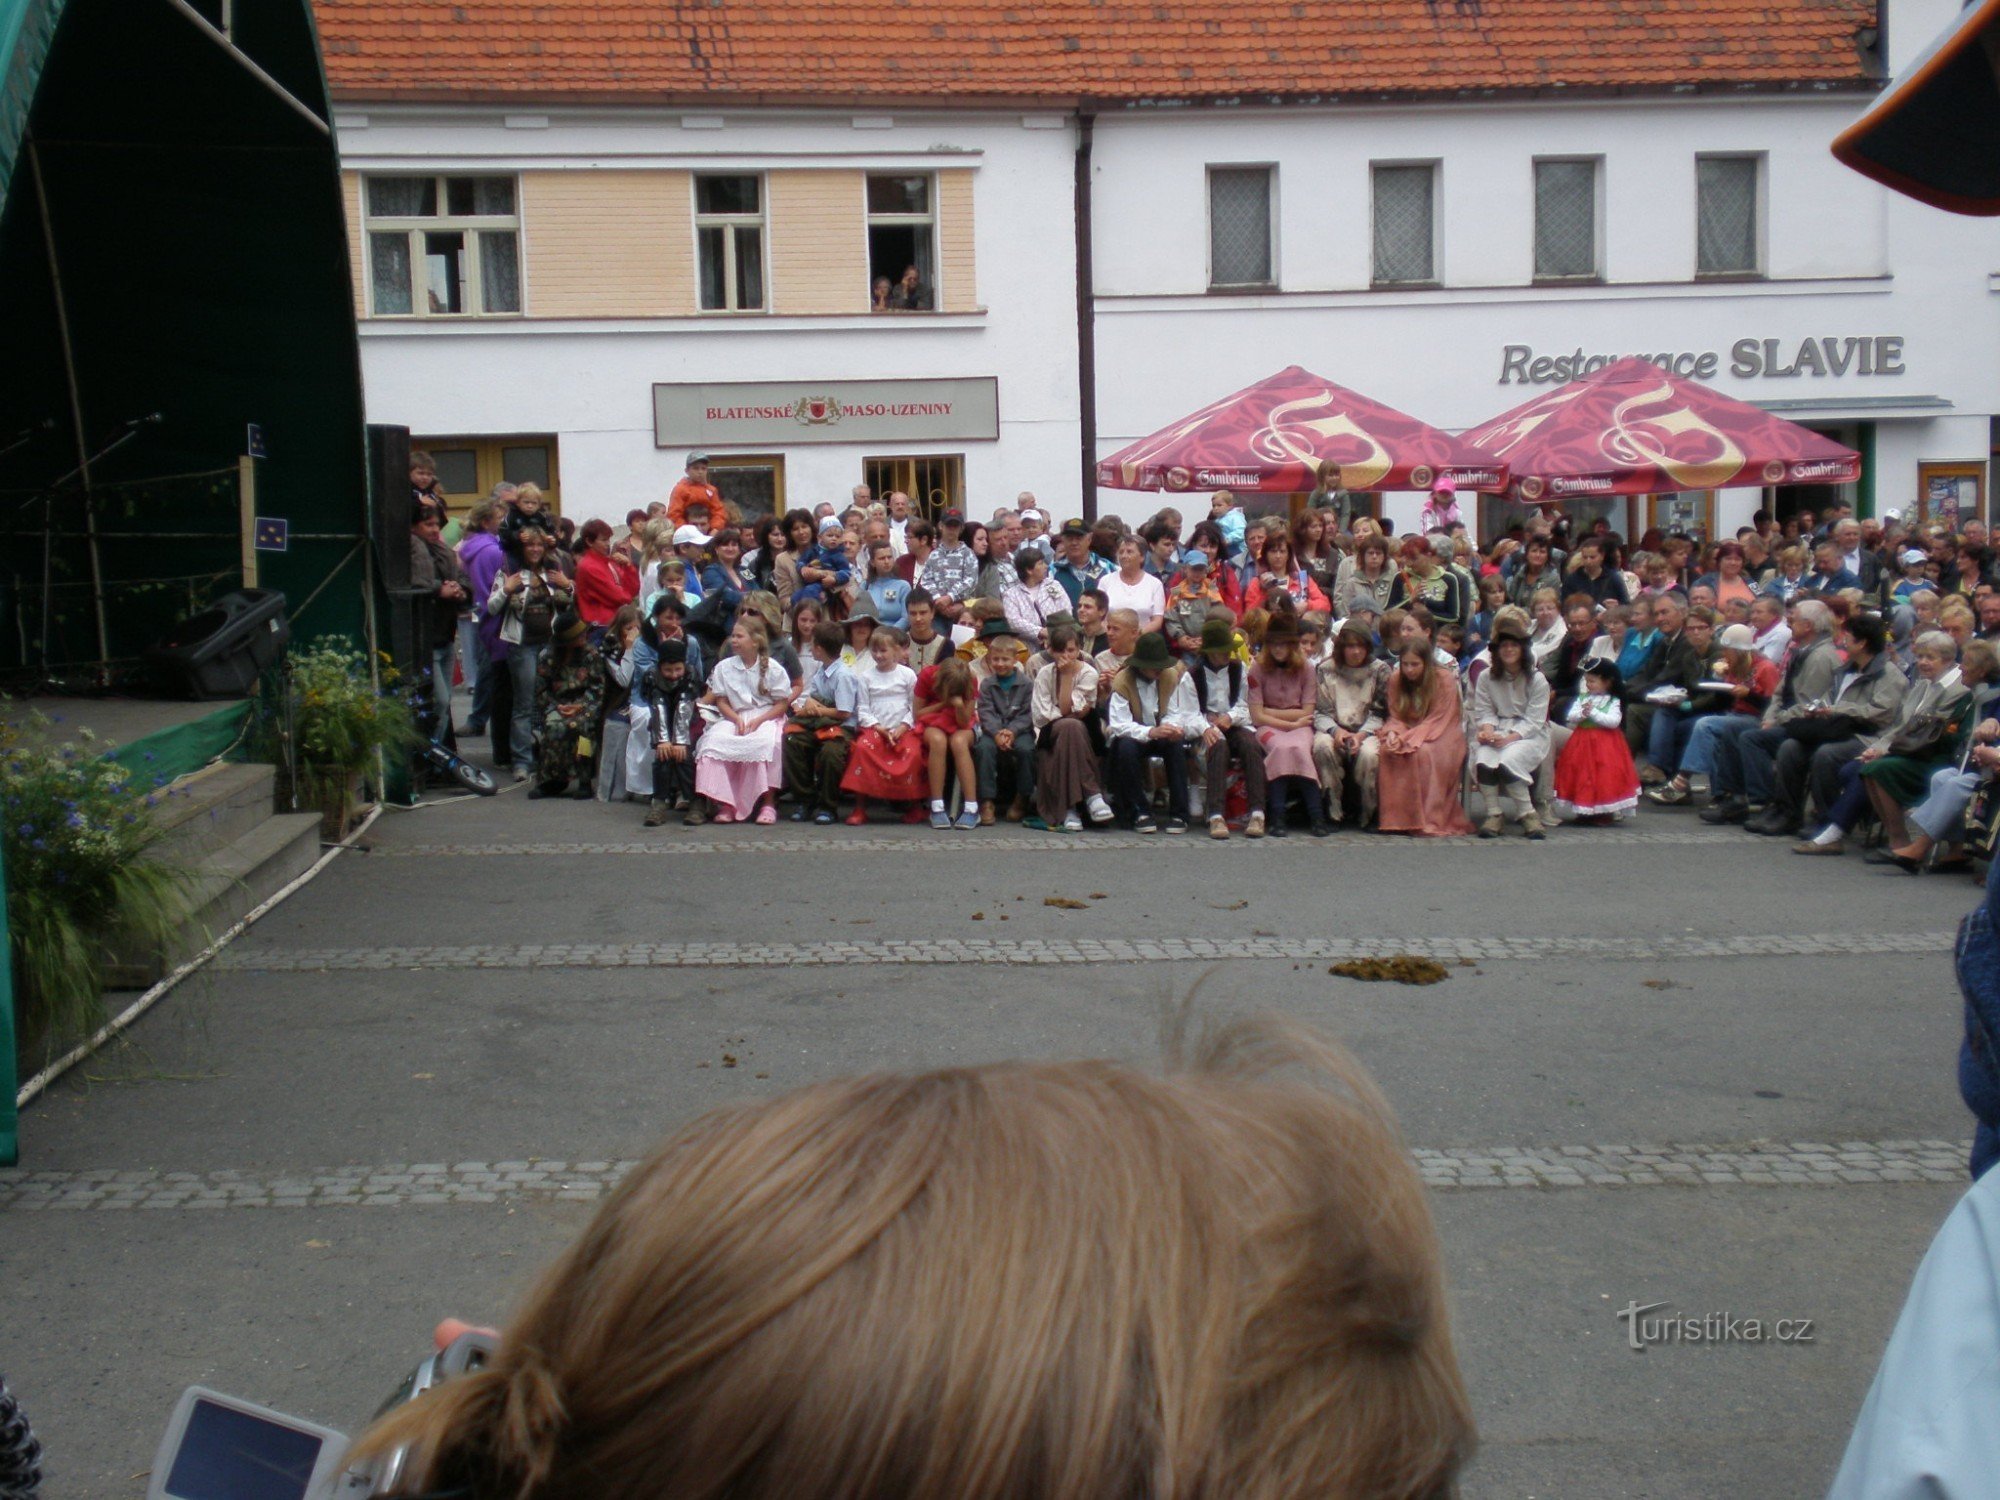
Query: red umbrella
pixel 1274 435
pixel 1633 428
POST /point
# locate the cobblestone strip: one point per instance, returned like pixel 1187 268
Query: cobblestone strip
pixel 1031 843
pixel 1078 951
pixel 1756 1163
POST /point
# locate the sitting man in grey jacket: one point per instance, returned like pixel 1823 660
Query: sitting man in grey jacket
pixel 1741 776
pixel 1824 738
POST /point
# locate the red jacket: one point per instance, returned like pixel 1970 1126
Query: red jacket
pixel 603 584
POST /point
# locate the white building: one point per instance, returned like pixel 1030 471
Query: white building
pixel 632 276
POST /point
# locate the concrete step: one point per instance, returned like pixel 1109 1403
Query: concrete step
pixel 213 808
pixel 230 881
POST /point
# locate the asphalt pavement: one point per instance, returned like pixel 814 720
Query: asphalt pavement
pixel 1671 1064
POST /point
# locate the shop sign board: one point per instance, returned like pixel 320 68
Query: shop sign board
pixel 1874 355
pixel 782 413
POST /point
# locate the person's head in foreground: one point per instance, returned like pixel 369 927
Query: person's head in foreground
pixel 1023 1281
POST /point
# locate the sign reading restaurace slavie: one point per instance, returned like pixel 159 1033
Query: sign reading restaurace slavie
pixel 770 413
pixel 1749 359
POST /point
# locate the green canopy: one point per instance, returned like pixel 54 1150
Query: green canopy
pixel 173 273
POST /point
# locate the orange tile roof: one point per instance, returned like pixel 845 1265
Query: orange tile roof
pixel 1125 51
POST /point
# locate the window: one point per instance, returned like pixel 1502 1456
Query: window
pixel 754 484
pixel 1566 235
pixel 1240 214
pixel 443 247
pixel 729 242
pixel 935 484
pixel 1728 230
pixel 1405 224
pixel 469 467
pixel 902 237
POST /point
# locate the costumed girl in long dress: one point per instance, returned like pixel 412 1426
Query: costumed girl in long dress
pixel 739 761
pixel 887 761
pixel 1422 750
pixel 1283 690
pixel 1595 773
pixel 1510 721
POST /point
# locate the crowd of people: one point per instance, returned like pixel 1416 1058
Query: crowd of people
pixel 1245 674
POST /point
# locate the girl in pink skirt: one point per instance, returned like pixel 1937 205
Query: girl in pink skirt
pixel 739 762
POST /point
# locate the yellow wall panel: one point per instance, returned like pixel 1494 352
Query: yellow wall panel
pixel 607 244
pixel 817 222
pixel 357 254
pixel 955 237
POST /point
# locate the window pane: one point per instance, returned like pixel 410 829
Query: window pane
pixel 712 269
pixel 457 470
pixel 1239 227
pixel 500 271
pixel 749 268
pixel 389 272
pixel 493 196
pixel 1404 234
pixel 458 196
pixel 402 197
pixel 899 195
pixel 1565 218
pixel 444 272
pixel 1726 216
pixel 750 489
pixel 525 465
pixel 725 195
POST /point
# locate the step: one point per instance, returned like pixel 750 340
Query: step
pixel 231 881
pixel 213 808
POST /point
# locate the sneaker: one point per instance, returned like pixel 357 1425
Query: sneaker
pixel 1144 824
pixel 1177 825
pixel 1218 828
pixel 1072 823
pixel 940 818
pixel 520 773
pixel 1254 829
pixel 799 814
pixel 823 817
pixel 1669 794
pixel 970 819
pixel 1098 808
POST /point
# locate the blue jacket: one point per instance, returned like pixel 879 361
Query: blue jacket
pixel 1978 963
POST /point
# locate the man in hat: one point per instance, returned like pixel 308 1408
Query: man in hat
pixel 1220 683
pixel 951 573
pixel 693 488
pixel 1078 568
pixel 1152 716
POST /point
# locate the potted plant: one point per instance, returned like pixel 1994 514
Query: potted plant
pixel 84 879
pixel 329 719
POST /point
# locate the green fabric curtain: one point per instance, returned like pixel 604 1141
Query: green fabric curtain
pixel 26 28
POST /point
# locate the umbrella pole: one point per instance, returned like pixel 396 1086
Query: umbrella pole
pixel 82 444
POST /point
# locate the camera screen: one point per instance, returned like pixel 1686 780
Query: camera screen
pixel 232 1455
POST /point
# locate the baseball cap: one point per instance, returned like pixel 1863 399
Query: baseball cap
pixel 690 535
pixel 1031 514
pixel 953 517
pixel 1445 485
pixel 1913 558
pixel 697 457
pixel 1737 638
pixel 1075 528
pixel 1194 557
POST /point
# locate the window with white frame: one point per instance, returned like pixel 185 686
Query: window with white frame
pixel 729 242
pixel 1405 222
pixel 1729 234
pixel 1566 223
pixel 902 243
pixel 1242 205
pixel 443 247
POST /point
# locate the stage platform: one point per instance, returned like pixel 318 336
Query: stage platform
pixel 179 736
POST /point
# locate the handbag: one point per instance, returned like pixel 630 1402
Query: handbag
pixel 1982 821
pixel 1823 729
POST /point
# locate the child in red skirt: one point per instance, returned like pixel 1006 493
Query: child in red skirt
pixel 948 721
pixel 887 761
pixel 1595 774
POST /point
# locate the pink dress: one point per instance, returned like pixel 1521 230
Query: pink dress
pixel 734 770
pixel 1287 752
pixel 1418 786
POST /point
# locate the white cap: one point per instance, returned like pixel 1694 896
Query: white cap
pixel 690 535
pixel 1737 638
pixel 1031 514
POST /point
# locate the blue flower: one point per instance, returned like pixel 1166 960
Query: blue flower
pixel 76 820
pixel 27 830
pixel 148 754
pixel 38 845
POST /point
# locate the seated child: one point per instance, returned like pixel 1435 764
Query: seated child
pixel 1068 740
pixel 1006 731
pixel 1219 682
pixel 887 760
pixel 948 721
pixel 821 733
pixel 1189 601
pixel 926 644
pixel 1595 773
pixel 669 728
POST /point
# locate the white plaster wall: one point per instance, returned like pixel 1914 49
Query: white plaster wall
pixel 590 381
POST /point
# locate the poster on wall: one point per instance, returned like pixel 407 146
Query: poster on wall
pixel 1942 500
pixel 1951 493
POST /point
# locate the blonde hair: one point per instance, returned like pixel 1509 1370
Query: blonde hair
pixel 528 492
pixel 1003 1282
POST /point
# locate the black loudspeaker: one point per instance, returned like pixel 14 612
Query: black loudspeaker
pixel 221 652
pixel 389 504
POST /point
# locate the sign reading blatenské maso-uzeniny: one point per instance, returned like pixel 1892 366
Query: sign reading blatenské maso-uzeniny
pixel 1749 359
pixel 771 413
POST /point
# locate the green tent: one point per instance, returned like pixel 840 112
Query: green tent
pixel 173 273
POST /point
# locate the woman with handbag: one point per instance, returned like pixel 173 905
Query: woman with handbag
pixel 526 601
pixel 1893 770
